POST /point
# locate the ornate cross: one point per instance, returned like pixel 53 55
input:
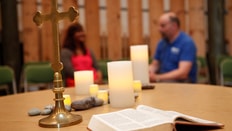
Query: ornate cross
pixel 55 17
pixel 60 116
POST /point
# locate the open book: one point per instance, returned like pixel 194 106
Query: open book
pixel 147 118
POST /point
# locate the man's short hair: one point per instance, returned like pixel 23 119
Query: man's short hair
pixel 175 20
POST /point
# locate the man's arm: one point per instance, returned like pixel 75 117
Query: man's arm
pixel 181 73
pixel 154 66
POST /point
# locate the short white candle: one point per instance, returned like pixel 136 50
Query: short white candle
pixel 93 89
pixel 67 100
pixel 103 94
pixel 137 85
pixel 83 79
pixel 139 58
pixel 120 79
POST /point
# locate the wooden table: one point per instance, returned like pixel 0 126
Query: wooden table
pixel 204 101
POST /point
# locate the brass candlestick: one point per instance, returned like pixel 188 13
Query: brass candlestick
pixel 60 117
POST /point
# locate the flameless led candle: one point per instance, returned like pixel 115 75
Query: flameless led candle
pixel 67 100
pixel 137 85
pixel 120 77
pixel 93 89
pixel 83 79
pixel 103 94
pixel 139 58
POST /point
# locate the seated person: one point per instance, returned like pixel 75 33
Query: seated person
pixel 175 57
pixel 76 57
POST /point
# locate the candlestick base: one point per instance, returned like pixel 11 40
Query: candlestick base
pixel 60 119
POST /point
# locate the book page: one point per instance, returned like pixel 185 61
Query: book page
pixel 162 115
pixel 172 116
pixel 176 115
pixel 144 117
pixel 130 119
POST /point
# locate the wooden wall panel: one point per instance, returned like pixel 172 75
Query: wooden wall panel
pixel 135 22
pixel 66 5
pixel 156 9
pixel 178 6
pixel 228 26
pixel 197 26
pixel 30 32
pixel 114 29
pixel 46 30
pixel 39 46
pixel 66 23
pixel 92 26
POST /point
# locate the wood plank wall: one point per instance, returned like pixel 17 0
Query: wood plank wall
pixel 156 9
pixel 38 41
pixel 46 34
pixel 228 28
pixel 178 6
pixel 30 32
pixel 135 22
pixel 92 26
pixel 66 5
pixel 114 29
pixel 197 25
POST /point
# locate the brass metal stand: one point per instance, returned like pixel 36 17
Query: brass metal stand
pixel 60 117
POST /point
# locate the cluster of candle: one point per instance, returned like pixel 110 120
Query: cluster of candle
pixel 101 94
pixel 124 77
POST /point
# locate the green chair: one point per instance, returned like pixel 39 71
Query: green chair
pixel 226 72
pixel 202 70
pixel 37 74
pixel 7 77
pixel 103 67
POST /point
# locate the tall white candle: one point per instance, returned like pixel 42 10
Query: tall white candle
pixel 120 77
pixel 83 79
pixel 139 58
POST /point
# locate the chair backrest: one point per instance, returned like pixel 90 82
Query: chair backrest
pixel 226 70
pixel 7 76
pixel 103 67
pixel 37 73
pixel 202 70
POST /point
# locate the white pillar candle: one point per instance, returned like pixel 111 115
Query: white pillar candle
pixel 83 79
pixel 137 85
pixel 139 58
pixel 120 77
pixel 93 89
pixel 103 94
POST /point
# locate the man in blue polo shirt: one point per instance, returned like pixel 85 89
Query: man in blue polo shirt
pixel 175 56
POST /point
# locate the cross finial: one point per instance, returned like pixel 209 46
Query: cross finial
pixel 55 17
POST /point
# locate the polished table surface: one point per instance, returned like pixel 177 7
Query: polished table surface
pixel 204 101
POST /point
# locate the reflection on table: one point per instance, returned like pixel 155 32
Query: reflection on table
pixel 204 101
